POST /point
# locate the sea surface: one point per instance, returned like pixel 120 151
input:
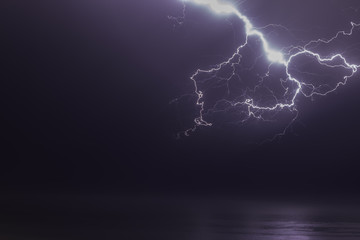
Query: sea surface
pixel 177 218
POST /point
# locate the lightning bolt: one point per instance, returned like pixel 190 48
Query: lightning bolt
pixel 293 86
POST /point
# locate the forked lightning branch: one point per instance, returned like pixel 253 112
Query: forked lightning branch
pixel 293 82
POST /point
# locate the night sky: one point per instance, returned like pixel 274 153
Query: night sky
pixel 88 90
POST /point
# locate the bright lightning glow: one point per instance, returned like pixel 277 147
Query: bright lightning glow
pixel 215 6
pixel 274 57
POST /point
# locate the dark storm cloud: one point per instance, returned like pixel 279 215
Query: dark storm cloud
pixel 89 82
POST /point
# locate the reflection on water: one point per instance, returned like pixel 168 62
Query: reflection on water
pixel 185 218
pixel 285 226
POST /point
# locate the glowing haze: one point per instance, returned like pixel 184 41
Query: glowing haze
pixel 293 86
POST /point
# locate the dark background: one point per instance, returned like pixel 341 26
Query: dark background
pixel 86 88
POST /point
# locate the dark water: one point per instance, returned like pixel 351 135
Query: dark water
pixel 177 217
